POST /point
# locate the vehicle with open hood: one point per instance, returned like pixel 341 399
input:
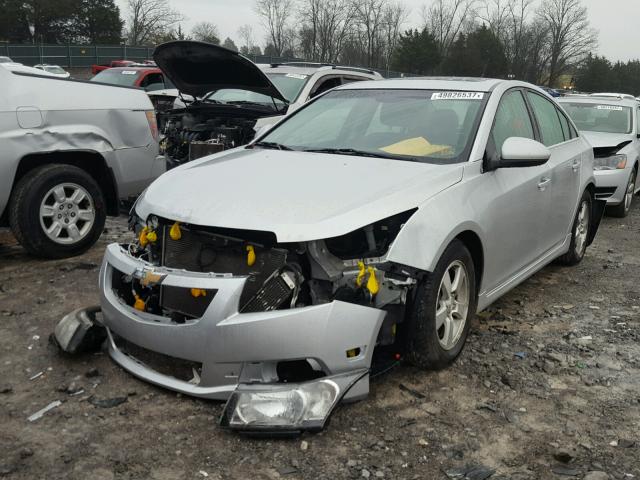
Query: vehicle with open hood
pixel 230 98
pixel 611 123
pixel 366 227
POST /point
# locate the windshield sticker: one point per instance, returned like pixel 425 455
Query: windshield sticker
pixel 296 75
pixel 129 72
pixel 609 107
pixel 457 96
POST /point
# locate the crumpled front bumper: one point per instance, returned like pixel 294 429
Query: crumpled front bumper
pixel 235 348
pixel 611 185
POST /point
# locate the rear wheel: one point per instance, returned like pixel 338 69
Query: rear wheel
pixel 622 209
pixel 580 232
pixel 57 211
pixel 444 305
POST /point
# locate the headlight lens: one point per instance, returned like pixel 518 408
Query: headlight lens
pixel 615 162
pixel 300 406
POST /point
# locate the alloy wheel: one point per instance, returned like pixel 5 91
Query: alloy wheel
pixel 67 213
pixel 582 229
pixel 453 305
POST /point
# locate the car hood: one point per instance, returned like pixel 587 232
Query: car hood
pixel 605 140
pixel 198 68
pixel 298 196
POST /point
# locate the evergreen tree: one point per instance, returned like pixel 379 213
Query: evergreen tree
pixel 417 52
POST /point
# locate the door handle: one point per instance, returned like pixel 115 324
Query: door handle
pixel 575 165
pixel 542 184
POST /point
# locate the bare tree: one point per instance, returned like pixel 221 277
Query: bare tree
pixel 206 32
pixel 446 19
pixel 368 19
pixel 275 16
pixel 245 32
pixel 571 37
pixel 150 19
pixel 325 27
pixel 394 17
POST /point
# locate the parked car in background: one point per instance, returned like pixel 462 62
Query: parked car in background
pixel 234 97
pixel 95 69
pixel 611 123
pixel 53 69
pixel 71 151
pixel 6 60
pixel 148 78
pixel 552 92
pixel 370 224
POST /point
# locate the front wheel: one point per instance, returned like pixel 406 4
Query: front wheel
pixel 57 211
pixel 622 209
pixel 443 308
pixel 579 232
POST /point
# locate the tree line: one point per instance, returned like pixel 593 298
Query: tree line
pixel 540 41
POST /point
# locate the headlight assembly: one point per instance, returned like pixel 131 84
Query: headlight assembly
pixel 286 407
pixel 615 162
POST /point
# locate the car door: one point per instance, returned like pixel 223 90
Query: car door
pixel 566 162
pixel 519 198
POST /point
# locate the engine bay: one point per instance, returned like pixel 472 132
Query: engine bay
pixel 202 129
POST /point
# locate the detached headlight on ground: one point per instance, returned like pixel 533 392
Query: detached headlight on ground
pixel 615 162
pixel 286 407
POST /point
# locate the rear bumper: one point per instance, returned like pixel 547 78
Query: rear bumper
pixel 234 348
pixel 611 185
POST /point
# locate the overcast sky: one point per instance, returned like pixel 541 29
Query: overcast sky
pixel 616 21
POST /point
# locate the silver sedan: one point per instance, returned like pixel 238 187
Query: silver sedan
pixel 367 227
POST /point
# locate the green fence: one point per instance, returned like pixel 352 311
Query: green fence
pixel 78 56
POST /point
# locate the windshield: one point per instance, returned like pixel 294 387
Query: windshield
pixel 591 117
pixel 125 78
pixel 419 125
pixel 289 84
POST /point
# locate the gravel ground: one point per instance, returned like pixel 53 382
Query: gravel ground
pixel 547 387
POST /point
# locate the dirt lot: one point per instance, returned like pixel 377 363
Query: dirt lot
pixel 547 387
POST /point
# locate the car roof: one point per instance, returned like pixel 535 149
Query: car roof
pixel 136 68
pixel 600 100
pixel 468 84
pixel 308 69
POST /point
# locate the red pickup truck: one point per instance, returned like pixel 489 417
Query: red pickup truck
pixel 149 78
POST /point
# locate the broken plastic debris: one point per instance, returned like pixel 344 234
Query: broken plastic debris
pixel 44 410
pixel 39 374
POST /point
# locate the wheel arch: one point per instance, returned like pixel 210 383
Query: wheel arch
pixel 90 161
pixel 472 241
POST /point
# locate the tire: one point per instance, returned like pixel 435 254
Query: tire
pixel 57 197
pixel 579 232
pixel 622 209
pixel 428 346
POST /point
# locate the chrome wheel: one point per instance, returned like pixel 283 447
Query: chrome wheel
pixel 628 197
pixel 582 229
pixel 67 213
pixel 453 305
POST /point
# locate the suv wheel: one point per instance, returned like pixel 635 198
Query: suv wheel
pixel 580 232
pixel 57 211
pixel 444 306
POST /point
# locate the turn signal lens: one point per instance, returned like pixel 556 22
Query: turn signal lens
pixel 153 123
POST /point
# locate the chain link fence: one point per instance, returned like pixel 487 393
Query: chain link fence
pixel 83 56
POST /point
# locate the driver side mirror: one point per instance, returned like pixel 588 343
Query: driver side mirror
pixel 523 152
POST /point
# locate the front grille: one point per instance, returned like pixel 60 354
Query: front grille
pixel 602 193
pixel 198 251
pixel 183 301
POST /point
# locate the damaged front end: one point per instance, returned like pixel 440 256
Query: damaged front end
pixel 283 331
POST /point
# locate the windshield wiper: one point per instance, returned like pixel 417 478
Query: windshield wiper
pixel 272 145
pixel 351 151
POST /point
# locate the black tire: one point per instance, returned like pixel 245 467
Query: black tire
pixel 424 347
pixel 622 209
pixel 577 249
pixel 27 198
